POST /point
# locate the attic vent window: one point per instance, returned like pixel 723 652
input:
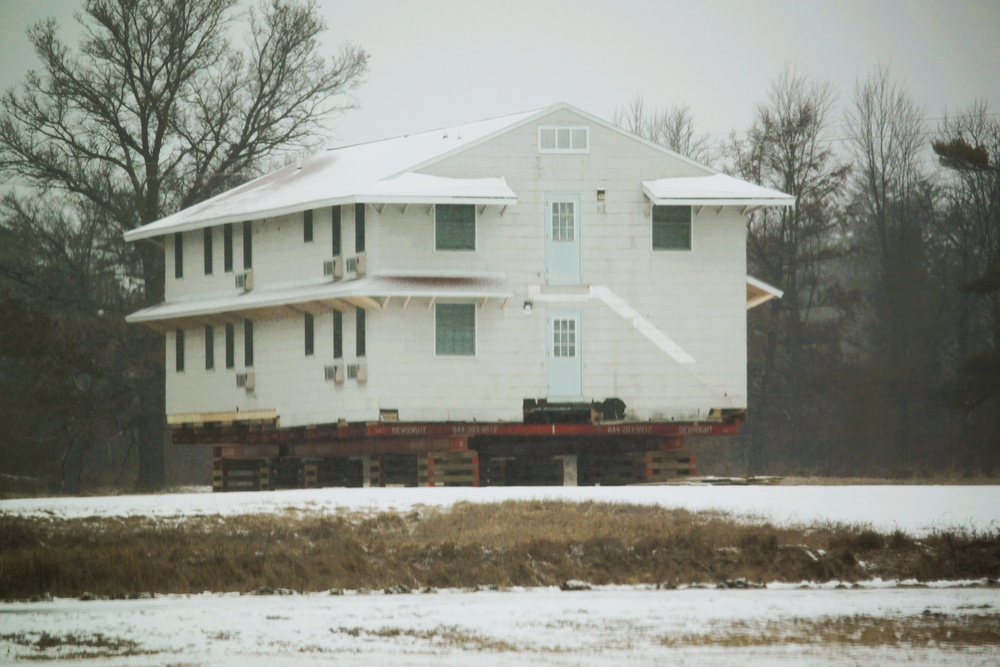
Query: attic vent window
pixel 563 139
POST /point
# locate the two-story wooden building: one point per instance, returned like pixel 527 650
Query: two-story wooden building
pixel 495 273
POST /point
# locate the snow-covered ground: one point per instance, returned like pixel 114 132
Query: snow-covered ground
pixel 606 626
pixel 915 509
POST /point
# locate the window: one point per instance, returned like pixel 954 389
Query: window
pixel 227 248
pixel 359 324
pixel 179 255
pixel 208 250
pixel 455 329
pixel 179 350
pixel 338 335
pixel 309 331
pixel 359 228
pixel 563 139
pixel 247 245
pixel 209 347
pixel 230 346
pixel 307 226
pixel 671 228
pixel 455 227
pixel 248 343
pixel 563 221
pixel 564 338
pixel 336 248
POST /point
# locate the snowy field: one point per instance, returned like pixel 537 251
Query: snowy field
pixel 606 626
pixel 914 509
pixel 778 625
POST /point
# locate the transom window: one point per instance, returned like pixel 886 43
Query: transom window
pixel 671 228
pixel 563 139
pixel 563 221
pixel 455 227
pixel 564 338
pixel 455 329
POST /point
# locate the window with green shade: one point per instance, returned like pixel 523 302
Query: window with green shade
pixel 310 331
pixel 209 347
pixel 671 228
pixel 338 335
pixel 359 340
pixel 359 228
pixel 178 255
pixel 248 343
pixel 230 345
pixel 247 245
pixel 207 243
pixel 455 329
pixel 335 226
pixel 179 350
pixel 227 248
pixel 455 227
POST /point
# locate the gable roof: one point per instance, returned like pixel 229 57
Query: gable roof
pixel 382 172
pixel 352 174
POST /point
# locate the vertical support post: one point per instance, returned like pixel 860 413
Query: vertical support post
pixel 265 475
pixel 310 476
pixel 217 473
pixel 569 469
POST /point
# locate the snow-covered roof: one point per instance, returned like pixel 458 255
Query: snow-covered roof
pixel 713 190
pixel 759 292
pixel 372 172
pixel 367 292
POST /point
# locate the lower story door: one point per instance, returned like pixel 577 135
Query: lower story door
pixel 564 360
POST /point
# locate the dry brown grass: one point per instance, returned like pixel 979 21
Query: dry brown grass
pixel 527 543
pixel 927 630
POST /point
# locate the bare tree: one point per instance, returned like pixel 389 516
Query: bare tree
pixel 671 127
pixel 895 206
pixel 787 147
pixel 158 110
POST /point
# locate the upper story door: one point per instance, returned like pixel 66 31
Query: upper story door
pixel 562 238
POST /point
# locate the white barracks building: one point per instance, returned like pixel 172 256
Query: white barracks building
pixel 450 276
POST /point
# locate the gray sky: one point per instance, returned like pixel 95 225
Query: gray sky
pixel 438 63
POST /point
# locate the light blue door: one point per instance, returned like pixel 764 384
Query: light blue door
pixel 564 360
pixel 562 238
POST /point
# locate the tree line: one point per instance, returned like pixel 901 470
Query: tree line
pixel 882 357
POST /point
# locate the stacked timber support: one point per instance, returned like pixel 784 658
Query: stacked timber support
pixel 448 469
pixel 252 456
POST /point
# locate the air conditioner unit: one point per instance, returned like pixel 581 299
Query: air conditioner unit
pixel 334 268
pixel 358 371
pixel 335 373
pixel 244 281
pixel 358 265
pixel 246 380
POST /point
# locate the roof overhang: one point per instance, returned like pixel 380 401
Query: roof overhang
pixel 713 190
pixel 318 298
pixel 759 292
pixel 404 189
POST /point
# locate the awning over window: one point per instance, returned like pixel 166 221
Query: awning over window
pixel 759 292
pixel 714 190
pixel 375 292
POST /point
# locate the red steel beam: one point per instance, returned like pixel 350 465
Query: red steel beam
pixel 410 431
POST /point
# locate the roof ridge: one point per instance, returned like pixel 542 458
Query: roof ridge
pixel 440 128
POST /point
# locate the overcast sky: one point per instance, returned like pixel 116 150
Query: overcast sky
pixel 446 62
